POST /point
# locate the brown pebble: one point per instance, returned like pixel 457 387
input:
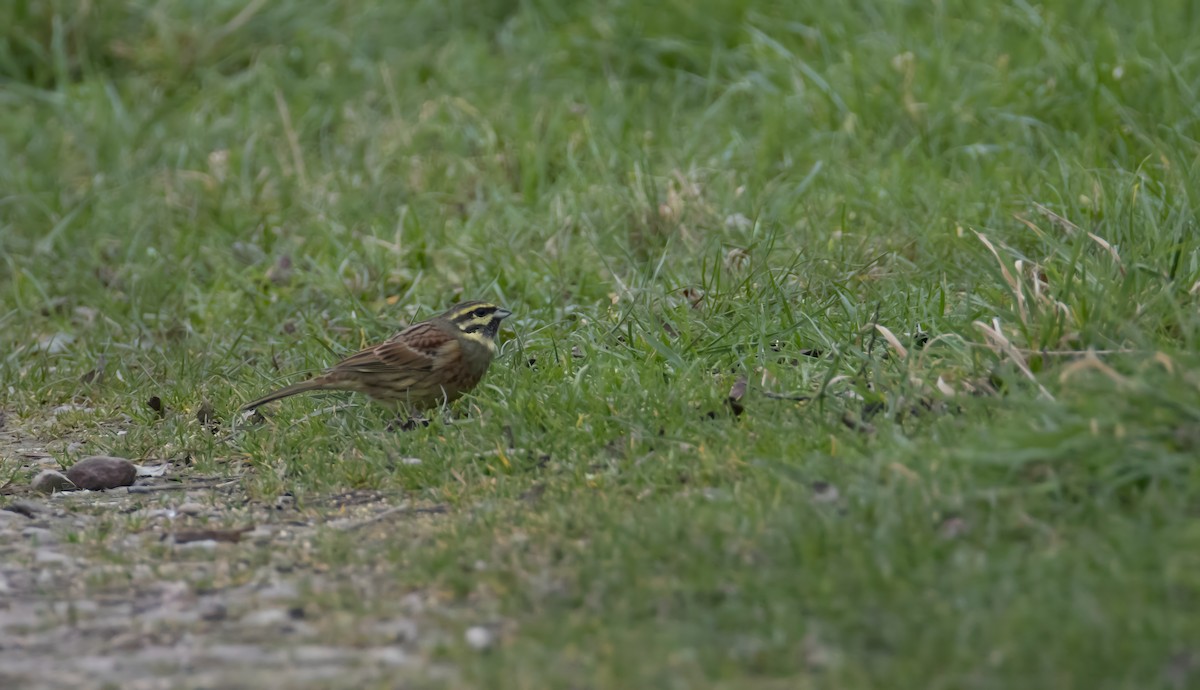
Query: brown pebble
pixel 100 472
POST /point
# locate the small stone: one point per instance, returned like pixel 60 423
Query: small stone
pixel 55 344
pixel 737 221
pixel 278 591
pixel 173 614
pixel 261 536
pixel 824 492
pixel 389 656
pixel 175 591
pixel 213 611
pixel 40 535
pixel 479 638
pixel 26 508
pixel 413 602
pixel 400 630
pixel 74 607
pixel 318 655
pixel 190 508
pixel 953 527
pixel 266 618
pixel 818 655
pixel 48 556
pixel 49 481
pixel 100 472
pixel 200 545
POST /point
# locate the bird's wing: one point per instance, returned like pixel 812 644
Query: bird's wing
pixel 414 349
pixel 423 337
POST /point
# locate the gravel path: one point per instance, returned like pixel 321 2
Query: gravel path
pixel 186 582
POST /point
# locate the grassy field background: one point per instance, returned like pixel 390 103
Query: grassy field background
pixel 965 232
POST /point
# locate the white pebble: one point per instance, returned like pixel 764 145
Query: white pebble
pixel 479 637
pixel 49 481
pixel 266 617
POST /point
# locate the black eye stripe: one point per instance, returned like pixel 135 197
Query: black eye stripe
pixel 476 313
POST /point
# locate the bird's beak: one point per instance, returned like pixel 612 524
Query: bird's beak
pixel 502 313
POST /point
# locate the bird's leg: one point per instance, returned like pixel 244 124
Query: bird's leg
pixel 404 422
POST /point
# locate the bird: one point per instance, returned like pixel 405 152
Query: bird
pixel 427 364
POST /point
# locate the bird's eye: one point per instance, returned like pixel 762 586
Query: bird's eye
pixel 480 312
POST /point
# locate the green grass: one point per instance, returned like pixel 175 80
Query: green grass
pixel 802 173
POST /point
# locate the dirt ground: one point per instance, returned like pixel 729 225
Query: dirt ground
pixel 185 582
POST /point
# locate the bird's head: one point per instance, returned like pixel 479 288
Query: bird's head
pixel 478 321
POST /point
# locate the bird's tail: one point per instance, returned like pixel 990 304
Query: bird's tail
pixel 316 384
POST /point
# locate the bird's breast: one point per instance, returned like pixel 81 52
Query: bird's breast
pixel 476 357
